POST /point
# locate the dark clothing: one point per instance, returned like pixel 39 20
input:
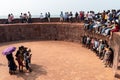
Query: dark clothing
pixel 11 63
pixel 84 40
pixel 27 60
pixel 29 20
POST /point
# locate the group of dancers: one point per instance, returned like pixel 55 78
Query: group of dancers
pixel 23 57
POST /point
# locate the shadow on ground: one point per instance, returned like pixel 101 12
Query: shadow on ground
pixel 37 70
pixel 2 64
pixel 118 67
pixel 117 76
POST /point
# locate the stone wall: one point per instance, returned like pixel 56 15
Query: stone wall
pixel 3 21
pixel 41 31
pixel 115 44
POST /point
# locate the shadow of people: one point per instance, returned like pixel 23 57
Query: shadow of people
pixel 117 76
pixel 2 64
pixel 37 70
pixel 118 67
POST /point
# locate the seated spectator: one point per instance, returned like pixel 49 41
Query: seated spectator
pixel 97 25
pixel 86 24
pixel 115 29
pixel 106 29
pixel 91 25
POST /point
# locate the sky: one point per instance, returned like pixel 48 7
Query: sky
pixel 55 6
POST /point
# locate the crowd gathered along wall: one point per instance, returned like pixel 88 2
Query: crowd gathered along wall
pixel 53 31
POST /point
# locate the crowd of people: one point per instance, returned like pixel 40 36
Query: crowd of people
pixel 105 18
pixel 104 23
pixel 26 18
pixel 23 57
pixel 100 48
pixel 69 17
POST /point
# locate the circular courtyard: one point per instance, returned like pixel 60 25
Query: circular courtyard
pixel 57 60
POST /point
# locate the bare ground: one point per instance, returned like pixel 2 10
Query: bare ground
pixel 57 60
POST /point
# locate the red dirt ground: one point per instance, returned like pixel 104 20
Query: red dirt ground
pixel 57 60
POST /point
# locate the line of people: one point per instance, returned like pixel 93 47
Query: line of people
pixel 100 48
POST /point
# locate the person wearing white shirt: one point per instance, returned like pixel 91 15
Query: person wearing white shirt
pixel 41 17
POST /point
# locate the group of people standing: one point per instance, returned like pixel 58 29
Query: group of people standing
pixel 23 57
pixel 67 17
pixel 10 18
pixel 26 18
pixel 100 48
pixel 46 18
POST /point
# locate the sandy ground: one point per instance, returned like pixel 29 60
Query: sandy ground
pixel 57 60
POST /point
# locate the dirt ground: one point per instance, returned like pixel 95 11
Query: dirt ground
pixel 57 60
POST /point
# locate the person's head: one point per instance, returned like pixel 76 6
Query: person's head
pixel 29 50
pixel 19 48
pixel 116 24
pixel 102 42
pixel 105 42
pixel 8 15
pixel 61 12
pixel 22 47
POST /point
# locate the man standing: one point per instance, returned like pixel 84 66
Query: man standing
pixel 48 16
pixel 29 17
pixel 41 17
